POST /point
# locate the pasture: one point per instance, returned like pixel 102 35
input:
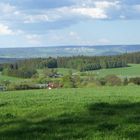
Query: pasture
pixel 8 78
pixel 101 113
pixel 132 70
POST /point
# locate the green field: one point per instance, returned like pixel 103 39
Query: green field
pixel 104 113
pixel 13 79
pixel 131 71
pixel 4 77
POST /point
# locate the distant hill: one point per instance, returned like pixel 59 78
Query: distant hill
pixel 32 52
pixel 8 60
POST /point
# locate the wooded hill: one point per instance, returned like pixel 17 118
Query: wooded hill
pixel 27 68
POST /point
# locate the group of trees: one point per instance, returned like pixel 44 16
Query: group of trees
pixel 133 57
pixel 86 63
pixel 1 67
pixel 16 71
pixel 82 63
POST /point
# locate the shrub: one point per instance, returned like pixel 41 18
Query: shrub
pixel 113 80
pixel 23 72
pixel 125 81
pixel 68 82
pixel 102 81
pixel 131 84
pixel 135 80
pixel 22 86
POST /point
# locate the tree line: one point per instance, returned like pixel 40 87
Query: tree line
pixel 28 67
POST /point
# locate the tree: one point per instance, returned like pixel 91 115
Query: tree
pixel 52 63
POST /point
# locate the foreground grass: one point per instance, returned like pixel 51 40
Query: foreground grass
pixel 107 113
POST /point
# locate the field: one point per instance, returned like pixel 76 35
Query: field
pixel 12 79
pixel 131 71
pixel 3 77
pixel 105 113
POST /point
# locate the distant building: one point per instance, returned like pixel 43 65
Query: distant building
pixel 56 75
pixel 54 85
pixel 3 88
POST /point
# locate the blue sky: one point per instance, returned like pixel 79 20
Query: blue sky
pixel 25 23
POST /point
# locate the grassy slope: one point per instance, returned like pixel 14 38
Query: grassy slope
pixel 71 114
pixel 133 70
pixel 13 79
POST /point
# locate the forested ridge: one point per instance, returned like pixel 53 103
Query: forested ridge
pixel 27 67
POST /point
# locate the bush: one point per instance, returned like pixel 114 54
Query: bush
pixel 135 80
pixel 102 81
pixel 21 72
pixel 22 86
pixel 113 80
pixel 125 81
pixel 68 82
pixel 131 84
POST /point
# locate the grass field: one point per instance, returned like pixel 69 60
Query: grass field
pixel 12 79
pixel 105 113
pixel 4 77
pixel 132 70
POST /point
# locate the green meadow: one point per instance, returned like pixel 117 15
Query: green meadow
pixel 132 70
pixel 101 113
pixel 3 77
pixel 12 79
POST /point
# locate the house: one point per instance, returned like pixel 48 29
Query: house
pixel 55 75
pixel 54 85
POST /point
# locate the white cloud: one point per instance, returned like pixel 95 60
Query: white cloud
pixel 5 30
pixel 7 8
pixel 107 4
pixel 95 13
pixel 103 41
pixel 74 35
pixel 33 39
pixel 35 18
pixel 137 7
pixel 94 9
pixel 98 10
pixel 80 11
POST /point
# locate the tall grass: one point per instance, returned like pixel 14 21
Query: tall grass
pixel 107 113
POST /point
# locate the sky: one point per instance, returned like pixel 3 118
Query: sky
pixel 33 23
